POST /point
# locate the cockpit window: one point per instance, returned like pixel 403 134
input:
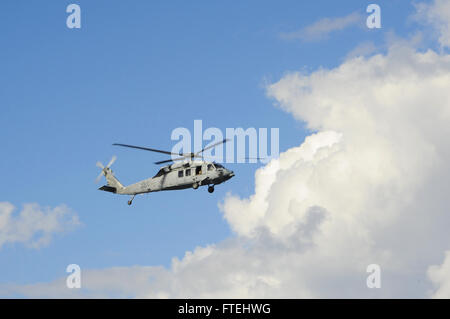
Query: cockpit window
pixel 210 167
pixel 218 165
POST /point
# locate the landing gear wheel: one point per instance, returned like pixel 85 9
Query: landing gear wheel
pixel 211 189
pixel 131 200
pixel 195 186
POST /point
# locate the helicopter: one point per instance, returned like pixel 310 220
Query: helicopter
pixel 185 172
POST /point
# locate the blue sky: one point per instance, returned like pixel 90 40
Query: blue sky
pixel 132 74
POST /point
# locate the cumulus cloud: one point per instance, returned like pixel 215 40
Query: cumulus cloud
pixel 436 14
pixel 34 226
pixel 369 186
pixel 323 27
pixel 440 276
pixel 363 49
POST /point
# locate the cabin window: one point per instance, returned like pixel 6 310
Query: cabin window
pixel 198 170
pixel 180 173
pixel 210 167
pixel 188 172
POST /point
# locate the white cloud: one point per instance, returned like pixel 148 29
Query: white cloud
pixel 115 282
pixel 436 14
pixel 363 49
pixel 440 276
pixel 323 27
pixel 34 226
pixel 370 186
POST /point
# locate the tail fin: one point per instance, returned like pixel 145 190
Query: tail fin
pixel 113 184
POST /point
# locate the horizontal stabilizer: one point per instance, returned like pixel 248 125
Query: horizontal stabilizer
pixel 107 188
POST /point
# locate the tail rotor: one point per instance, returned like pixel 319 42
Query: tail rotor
pixel 104 169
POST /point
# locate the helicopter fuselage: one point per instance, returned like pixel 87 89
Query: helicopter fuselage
pixel 185 172
pixel 173 177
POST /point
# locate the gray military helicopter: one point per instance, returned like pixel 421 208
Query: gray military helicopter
pixel 185 172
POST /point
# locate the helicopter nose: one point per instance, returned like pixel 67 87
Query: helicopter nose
pixel 231 173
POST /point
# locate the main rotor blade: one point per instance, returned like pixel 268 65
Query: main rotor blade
pixel 146 149
pixel 171 160
pixel 212 145
pixel 99 165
